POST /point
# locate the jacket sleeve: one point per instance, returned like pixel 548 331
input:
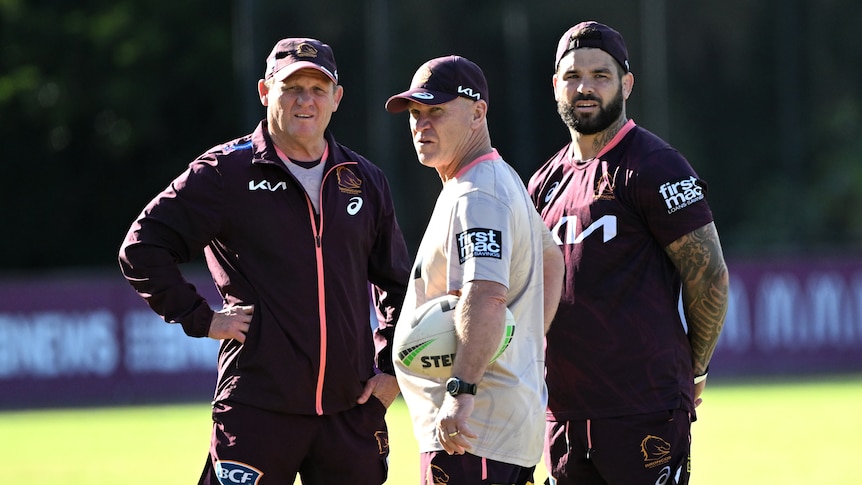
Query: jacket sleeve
pixel 389 270
pixel 172 229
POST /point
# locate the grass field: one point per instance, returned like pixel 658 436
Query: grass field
pixel 781 433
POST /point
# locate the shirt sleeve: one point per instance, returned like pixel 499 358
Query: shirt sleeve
pixel 672 196
pixel 480 242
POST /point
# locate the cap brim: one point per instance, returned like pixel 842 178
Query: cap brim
pixel 291 69
pixel 399 102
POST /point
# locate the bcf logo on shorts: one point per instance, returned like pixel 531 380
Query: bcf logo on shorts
pixel 233 472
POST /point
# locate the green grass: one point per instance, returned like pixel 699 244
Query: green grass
pixel 780 432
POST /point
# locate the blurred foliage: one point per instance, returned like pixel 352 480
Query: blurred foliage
pixel 103 103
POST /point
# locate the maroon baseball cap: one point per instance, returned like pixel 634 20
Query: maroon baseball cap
pixel 293 54
pixel 594 34
pixel 441 80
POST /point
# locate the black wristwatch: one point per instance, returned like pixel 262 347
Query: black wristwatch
pixel 455 386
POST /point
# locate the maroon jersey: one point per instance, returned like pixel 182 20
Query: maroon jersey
pixel 617 345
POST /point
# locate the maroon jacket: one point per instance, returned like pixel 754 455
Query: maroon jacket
pixel 310 348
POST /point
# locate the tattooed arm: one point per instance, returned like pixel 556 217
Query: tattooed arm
pixel 705 282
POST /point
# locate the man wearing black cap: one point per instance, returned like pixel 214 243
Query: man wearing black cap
pixel 631 215
pixel 485 243
pixel 294 227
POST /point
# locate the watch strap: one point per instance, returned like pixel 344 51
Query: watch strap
pixel 456 386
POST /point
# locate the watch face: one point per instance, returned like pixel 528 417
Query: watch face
pixel 452 386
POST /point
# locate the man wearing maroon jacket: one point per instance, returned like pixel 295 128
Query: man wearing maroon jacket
pixel 294 227
pixel 631 215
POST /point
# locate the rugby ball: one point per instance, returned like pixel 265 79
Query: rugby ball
pixel 427 348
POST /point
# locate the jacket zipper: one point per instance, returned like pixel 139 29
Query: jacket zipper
pixel 321 287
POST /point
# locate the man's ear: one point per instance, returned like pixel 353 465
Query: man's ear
pixel 480 110
pixel 628 84
pixel 262 92
pixel 554 84
pixel 337 95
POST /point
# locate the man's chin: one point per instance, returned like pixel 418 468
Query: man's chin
pixel 424 159
pixel 586 130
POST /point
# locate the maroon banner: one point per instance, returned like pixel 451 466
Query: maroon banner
pixel 791 318
pixel 78 339
pixel 83 339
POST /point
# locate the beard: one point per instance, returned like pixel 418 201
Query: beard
pixel 590 124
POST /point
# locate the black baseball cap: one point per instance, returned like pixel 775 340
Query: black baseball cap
pixel 441 80
pixel 292 54
pixel 596 35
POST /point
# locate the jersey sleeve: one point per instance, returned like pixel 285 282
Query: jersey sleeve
pixel 672 196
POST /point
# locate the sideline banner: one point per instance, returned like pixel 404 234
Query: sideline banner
pixel 792 318
pixel 89 339
pixel 78 339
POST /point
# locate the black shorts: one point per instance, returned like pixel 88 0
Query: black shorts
pixel 250 446
pixel 441 468
pixel 644 449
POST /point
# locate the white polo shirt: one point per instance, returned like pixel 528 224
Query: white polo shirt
pixel 486 201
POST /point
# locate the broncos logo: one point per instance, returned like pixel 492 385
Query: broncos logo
pixel 382 442
pixel 654 449
pixel 348 182
pixel 605 185
pixel 437 476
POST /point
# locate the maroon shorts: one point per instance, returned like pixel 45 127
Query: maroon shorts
pixel 650 448
pixel 441 468
pixel 251 446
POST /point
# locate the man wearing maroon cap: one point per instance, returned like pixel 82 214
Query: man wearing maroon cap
pixel 294 227
pixel 485 243
pixel 631 216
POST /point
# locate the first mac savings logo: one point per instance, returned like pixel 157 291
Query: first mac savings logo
pixel 681 194
pixel 480 243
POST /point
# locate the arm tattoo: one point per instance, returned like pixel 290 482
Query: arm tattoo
pixel 705 284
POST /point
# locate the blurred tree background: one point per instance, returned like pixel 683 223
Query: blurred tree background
pixel 102 103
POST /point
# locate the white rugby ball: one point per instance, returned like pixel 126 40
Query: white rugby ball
pixel 428 346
